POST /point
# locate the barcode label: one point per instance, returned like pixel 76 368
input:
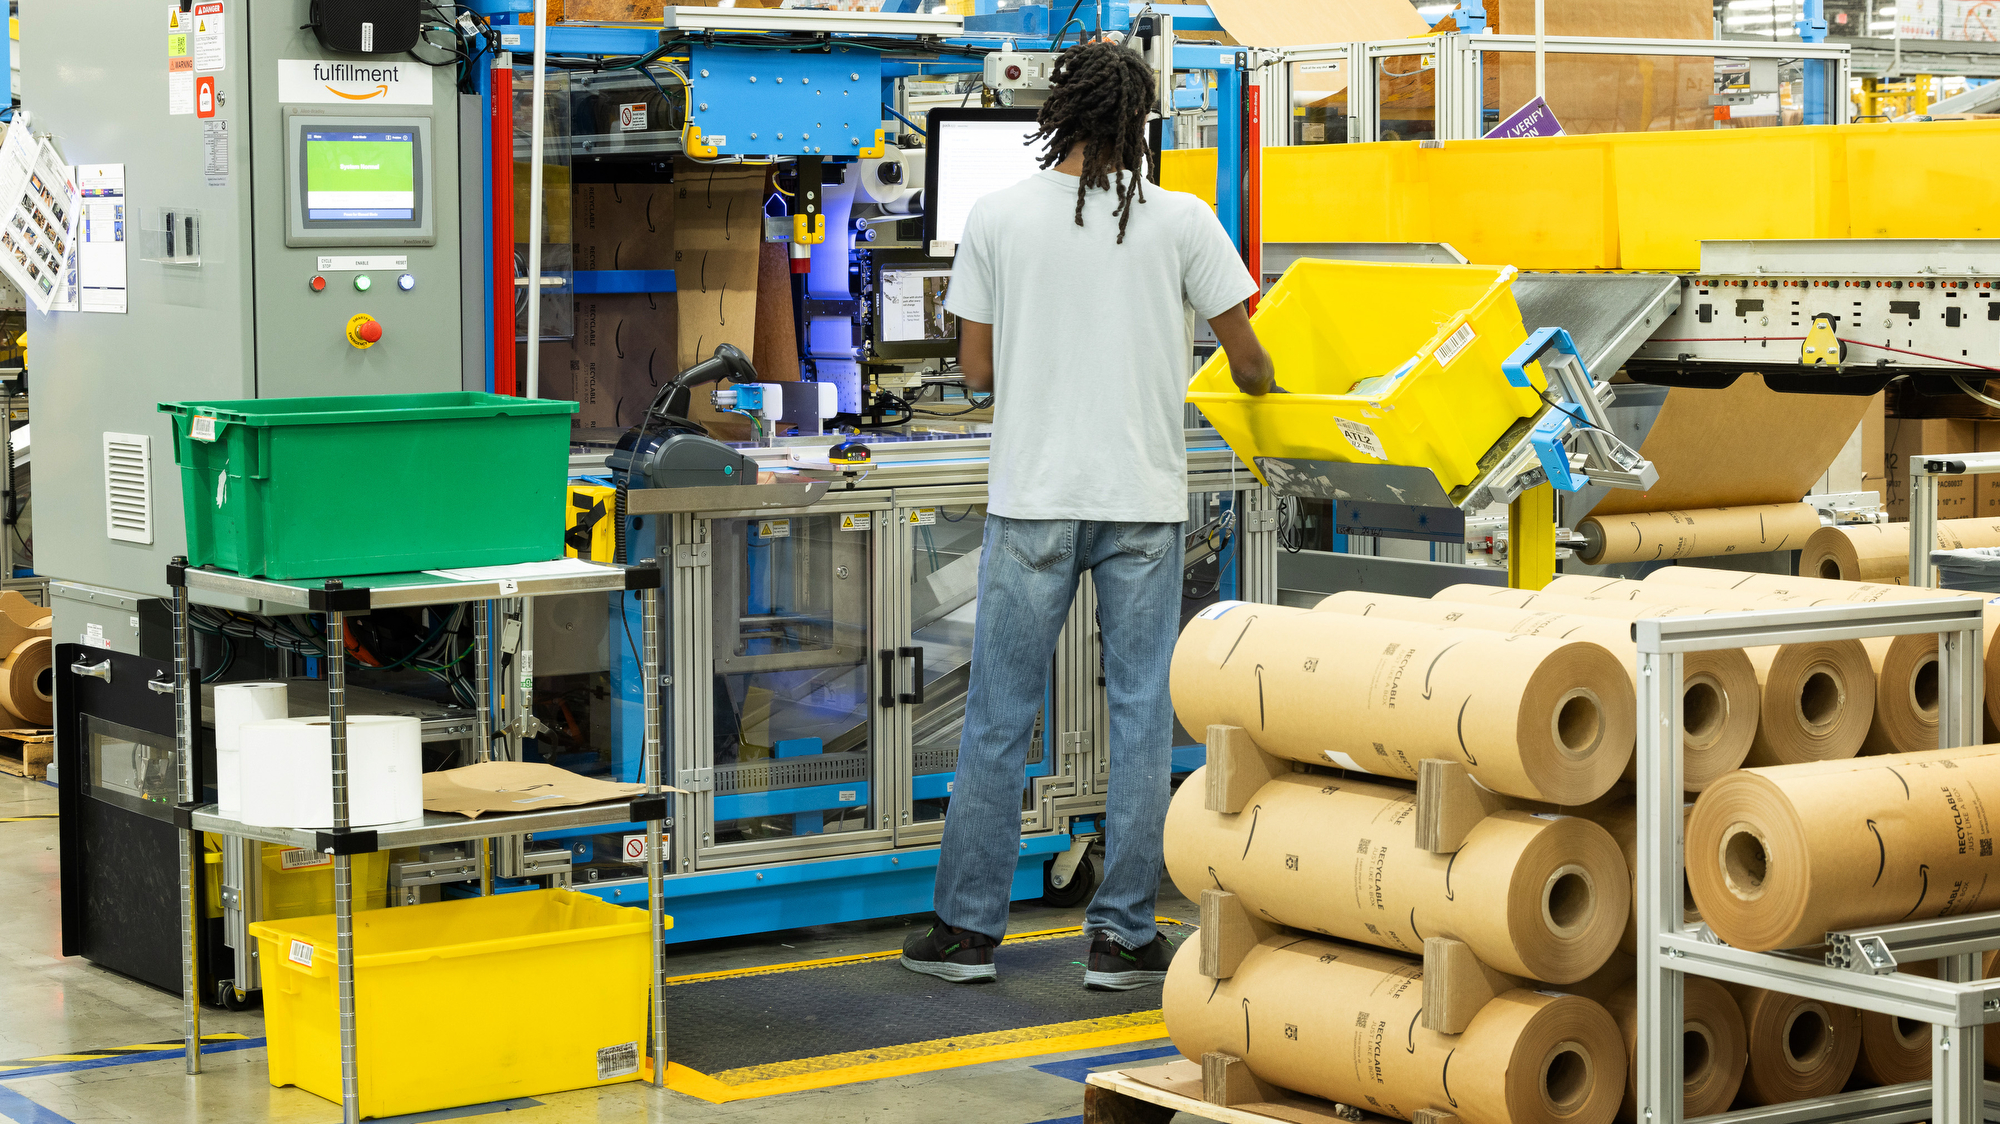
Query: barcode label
pixel 302 953
pixel 203 428
pixel 621 1060
pixel 1362 438
pixel 1453 344
pixel 298 858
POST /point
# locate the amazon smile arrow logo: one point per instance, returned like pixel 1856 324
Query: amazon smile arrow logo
pixel 377 92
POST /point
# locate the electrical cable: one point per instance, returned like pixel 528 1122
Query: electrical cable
pixel 1067 20
pixel 1842 339
pixel 912 124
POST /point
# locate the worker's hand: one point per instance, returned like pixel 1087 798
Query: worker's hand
pixel 1250 365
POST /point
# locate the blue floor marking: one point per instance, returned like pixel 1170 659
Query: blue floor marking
pixel 1076 1069
pixel 456 1113
pixel 130 1059
pixel 21 1110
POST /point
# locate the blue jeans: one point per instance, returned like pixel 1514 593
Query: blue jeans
pixel 1028 574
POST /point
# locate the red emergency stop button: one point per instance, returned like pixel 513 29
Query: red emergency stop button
pixel 363 330
pixel 318 283
pixel 1013 74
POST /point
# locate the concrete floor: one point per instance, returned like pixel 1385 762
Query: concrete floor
pixel 49 1005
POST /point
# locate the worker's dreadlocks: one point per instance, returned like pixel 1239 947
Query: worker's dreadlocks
pixel 1099 94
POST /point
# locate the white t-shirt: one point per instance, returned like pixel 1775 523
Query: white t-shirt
pixel 1092 343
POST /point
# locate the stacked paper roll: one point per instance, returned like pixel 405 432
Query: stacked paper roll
pixel 1777 857
pixel 235 704
pixel 27 681
pixel 1621 820
pixel 1895 1050
pixel 1530 717
pixel 1818 697
pixel 1698 533
pixel 1535 895
pixel 1718 703
pixel 287 769
pixel 1712 1037
pixel 1344 1023
pixel 1907 682
pixel 1799 1048
pixel 1880 552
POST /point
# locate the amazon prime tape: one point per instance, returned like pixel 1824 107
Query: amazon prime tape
pixel 1718 703
pixel 1880 552
pixel 1700 533
pixel 1536 895
pixel 1714 1044
pixel 1907 679
pixel 1343 1023
pixel 1542 719
pixel 1818 696
pixel 1621 820
pixel 1798 1048
pixel 1778 857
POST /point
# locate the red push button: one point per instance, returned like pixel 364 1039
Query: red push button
pixel 318 284
pixel 364 330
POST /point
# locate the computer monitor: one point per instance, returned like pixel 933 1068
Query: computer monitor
pixel 909 317
pixel 358 181
pixel 970 153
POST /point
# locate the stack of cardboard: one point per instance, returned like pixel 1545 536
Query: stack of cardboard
pixel 1959 497
pixel 1608 94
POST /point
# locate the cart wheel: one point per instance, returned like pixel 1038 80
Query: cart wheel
pixel 230 999
pixel 1081 882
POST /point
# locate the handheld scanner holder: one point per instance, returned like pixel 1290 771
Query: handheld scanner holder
pixel 1575 418
pixel 728 362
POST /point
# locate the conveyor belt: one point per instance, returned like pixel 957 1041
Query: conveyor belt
pixel 758 1032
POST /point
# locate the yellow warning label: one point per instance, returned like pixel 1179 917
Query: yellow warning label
pixel 774 528
pixel 923 516
pixel 855 521
pixel 173 18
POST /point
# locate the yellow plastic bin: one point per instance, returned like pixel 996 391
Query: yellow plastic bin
pixel 462 1002
pixel 1385 364
pixel 299 883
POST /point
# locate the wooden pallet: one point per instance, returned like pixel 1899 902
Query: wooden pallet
pixel 26 753
pixel 1219 1088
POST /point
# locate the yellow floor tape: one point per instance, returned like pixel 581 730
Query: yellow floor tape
pixel 829 1070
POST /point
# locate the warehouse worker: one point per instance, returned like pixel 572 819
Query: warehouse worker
pixel 1072 290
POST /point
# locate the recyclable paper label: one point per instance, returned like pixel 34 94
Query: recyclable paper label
pixel 1343 760
pixel 621 1060
pixel 302 953
pixel 1217 609
pixel 1362 438
pixel 923 517
pixel 774 528
pixel 1453 344
pixel 856 522
pixel 299 858
pixel 203 428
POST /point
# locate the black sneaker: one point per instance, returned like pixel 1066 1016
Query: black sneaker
pixel 958 955
pixel 1113 967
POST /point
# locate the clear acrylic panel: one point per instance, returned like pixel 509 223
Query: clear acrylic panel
pixel 1406 97
pixel 1319 102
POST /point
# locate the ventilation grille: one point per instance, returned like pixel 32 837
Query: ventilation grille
pixel 128 487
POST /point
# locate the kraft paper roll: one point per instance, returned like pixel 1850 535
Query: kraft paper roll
pixel 1909 674
pixel 1895 1050
pixel 1880 552
pixel 1798 1048
pixel 286 765
pixel 1777 857
pixel 1622 823
pixel 1713 1039
pixel 235 704
pixel 1818 697
pixel 1542 896
pixel 1699 533
pixel 1530 717
pixel 1343 1023
pixel 1718 704
pixel 27 681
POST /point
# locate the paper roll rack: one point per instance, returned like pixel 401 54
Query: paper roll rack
pixel 337 598
pixel 1958 1004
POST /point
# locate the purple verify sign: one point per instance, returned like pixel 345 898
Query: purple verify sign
pixel 1534 119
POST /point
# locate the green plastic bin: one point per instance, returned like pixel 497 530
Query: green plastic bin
pixel 371 484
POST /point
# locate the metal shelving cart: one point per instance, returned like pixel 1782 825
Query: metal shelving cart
pixel 1857 968
pixel 336 598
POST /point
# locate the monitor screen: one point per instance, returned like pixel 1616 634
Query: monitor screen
pixel 912 305
pixel 360 176
pixel 975 152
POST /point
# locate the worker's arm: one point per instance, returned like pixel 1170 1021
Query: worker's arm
pixel 1249 363
pixel 975 354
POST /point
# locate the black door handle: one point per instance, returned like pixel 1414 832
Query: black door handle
pixel 916 658
pixel 888 658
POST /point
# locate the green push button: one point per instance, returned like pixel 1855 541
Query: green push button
pixel 361 282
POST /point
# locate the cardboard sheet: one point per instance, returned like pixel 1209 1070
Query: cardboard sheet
pixel 1538 896
pixel 1598 94
pixel 517 786
pixel 1343 1023
pixel 1292 23
pixel 1739 447
pixel 719 237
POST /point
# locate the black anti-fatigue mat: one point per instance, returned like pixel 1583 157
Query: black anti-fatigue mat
pixel 762 1031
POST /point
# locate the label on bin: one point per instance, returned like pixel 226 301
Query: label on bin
pixel 302 953
pixel 621 1060
pixel 203 428
pixel 298 858
pixel 1453 344
pixel 1362 438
